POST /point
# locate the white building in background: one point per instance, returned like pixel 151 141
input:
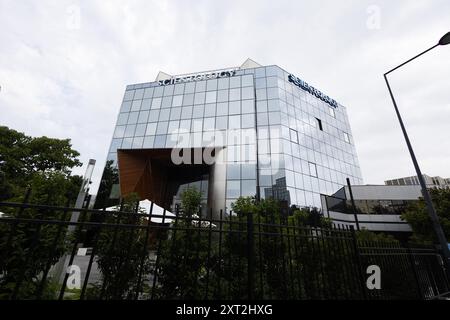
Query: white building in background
pixel 378 207
pixel 431 182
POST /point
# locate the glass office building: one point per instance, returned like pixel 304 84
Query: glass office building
pixel 269 133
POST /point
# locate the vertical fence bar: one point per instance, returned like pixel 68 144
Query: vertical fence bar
pixel 173 236
pixel 15 223
pixel 325 256
pixel 239 270
pixel 327 235
pixel 384 256
pixel 297 259
pixel 279 249
pixel 373 256
pixel 52 252
pixel 353 248
pixel 321 264
pixel 346 280
pixel 289 257
pixel 208 263
pixel 308 279
pixel 425 266
pixel 23 268
pixel 318 287
pixel 427 282
pixel 347 253
pixel 198 263
pixel 144 253
pixel 432 275
pixel 399 259
pixel 187 241
pixel 268 248
pixel 396 255
pixel 330 278
pixel 131 219
pixel 250 257
pixel 353 265
pixel 261 264
pixel 442 270
pixel 358 262
pixel 92 257
pixel 230 256
pixel 158 257
pixel 414 269
pixel 283 259
pixel 74 251
pixel 220 264
pixel 111 247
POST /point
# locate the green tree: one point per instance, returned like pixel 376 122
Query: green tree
pixel 120 253
pixel 183 259
pixel 188 261
pixel 310 217
pixel 299 256
pixel 190 201
pixel 26 162
pixel 43 165
pixel 13 152
pixel 417 216
pixel 268 250
pixel 369 236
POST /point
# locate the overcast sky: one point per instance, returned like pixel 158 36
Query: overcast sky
pixel 64 65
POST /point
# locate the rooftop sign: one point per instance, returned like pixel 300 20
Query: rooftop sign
pixel 198 77
pixel 305 86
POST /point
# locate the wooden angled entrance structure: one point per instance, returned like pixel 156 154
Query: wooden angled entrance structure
pixel 152 174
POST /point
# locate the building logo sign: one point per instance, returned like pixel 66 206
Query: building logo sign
pixel 305 86
pixel 198 77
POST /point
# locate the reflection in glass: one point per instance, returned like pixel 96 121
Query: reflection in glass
pixel 233 189
pixel 248 188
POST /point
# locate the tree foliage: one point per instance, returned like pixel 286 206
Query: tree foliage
pixel 120 252
pixel 190 201
pixel 369 236
pixel 197 262
pixel 36 162
pixel 417 216
pixel 181 263
pixel 42 165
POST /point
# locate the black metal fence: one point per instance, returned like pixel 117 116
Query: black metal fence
pixel 127 254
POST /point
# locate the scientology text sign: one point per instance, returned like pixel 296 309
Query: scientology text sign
pixel 197 77
pixel 305 86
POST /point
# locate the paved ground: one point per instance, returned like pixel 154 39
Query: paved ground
pixel 82 262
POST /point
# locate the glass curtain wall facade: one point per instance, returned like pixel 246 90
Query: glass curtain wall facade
pixel 279 140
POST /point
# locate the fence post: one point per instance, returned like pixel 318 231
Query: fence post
pixel 358 262
pixel 15 224
pixel 250 256
pixel 412 261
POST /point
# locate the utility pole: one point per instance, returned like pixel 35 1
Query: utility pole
pixel 84 191
pixel 60 267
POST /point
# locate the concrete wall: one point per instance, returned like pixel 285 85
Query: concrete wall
pixel 372 192
pixel 372 222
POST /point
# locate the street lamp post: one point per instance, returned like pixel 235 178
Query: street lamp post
pixel 426 195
